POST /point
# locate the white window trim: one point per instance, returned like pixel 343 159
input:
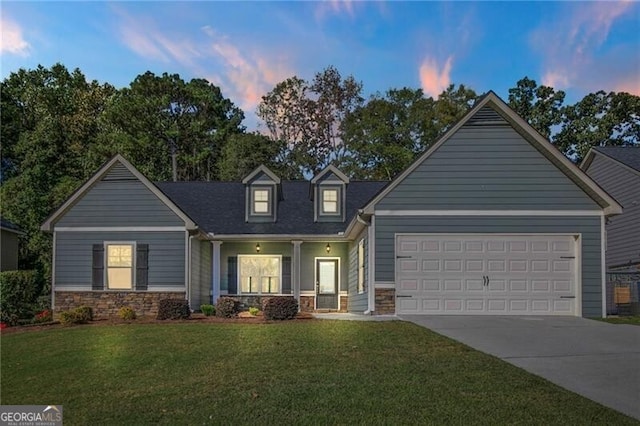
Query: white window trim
pixel 105 272
pixel 269 201
pixel 259 293
pixel 337 201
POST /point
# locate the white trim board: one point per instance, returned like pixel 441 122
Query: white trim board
pixel 489 213
pixel 119 228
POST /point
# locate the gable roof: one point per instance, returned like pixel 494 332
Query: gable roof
pixel 330 169
pixel 628 156
pixel 80 192
pixel 261 169
pixel 542 145
pixel 218 207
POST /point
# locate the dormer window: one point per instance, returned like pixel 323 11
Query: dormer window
pixel 330 201
pixel 262 194
pixel 328 191
pixel 261 201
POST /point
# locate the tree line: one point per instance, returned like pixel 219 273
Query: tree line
pixel 57 128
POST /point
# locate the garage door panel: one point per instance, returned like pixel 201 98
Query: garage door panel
pixel 486 274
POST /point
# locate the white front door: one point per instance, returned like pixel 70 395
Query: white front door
pixel 485 274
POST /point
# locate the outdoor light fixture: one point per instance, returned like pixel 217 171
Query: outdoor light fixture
pixel 258 248
pixel 328 248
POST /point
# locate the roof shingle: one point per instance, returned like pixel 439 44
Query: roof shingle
pixel 627 155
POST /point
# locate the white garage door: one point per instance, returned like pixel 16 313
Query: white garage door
pixel 485 274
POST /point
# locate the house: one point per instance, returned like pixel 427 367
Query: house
pixel 492 219
pixel 9 243
pixel 617 170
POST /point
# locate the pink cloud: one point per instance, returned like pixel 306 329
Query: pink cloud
pixel 569 45
pixel 630 85
pixel 433 79
pixel 12 40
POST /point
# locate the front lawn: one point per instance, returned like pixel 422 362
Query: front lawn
pixel 633 320
pixel 312 372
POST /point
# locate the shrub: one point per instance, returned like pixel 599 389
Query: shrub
pixel 227 307
pixel 280 308
pixel 79 315
pixel 254 311
pixel 43 316
pixel 173 309
pixel 126 313
pixel 85 313
pixel 208 310
pixel 19 292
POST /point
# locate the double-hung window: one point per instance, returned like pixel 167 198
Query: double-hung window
pixel 260 201
pixel 330 201
pixel 120 265
pixel 361 266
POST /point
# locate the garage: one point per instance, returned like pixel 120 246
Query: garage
pixel 486 274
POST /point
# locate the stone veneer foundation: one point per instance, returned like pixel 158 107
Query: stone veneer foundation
pixel 385 301
pixel 106 303
pixel 307 303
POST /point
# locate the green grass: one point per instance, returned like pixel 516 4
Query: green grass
pixel 315 372
pixel 633 320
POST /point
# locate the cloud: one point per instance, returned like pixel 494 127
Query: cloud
pixel 334 7
pixel 12 40
pixel 433 79
pixel 630 84
pixel 144 38
pixel 574 46
pixel 249 75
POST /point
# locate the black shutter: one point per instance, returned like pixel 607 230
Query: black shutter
pixel 232 274
pixel 142 266
pixel 286 275
pixel 97 276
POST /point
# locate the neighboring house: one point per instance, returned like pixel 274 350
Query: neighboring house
pixel 492 219
pixel 617 170
pixel 9 244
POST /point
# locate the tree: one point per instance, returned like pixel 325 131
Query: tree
pixel 541 106
pixel 384 136
pixel 48 125
pixel 244 152
pixel 599 119
pixel 308 117
pixel 172 129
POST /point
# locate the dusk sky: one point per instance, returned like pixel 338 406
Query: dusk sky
pixel 248 47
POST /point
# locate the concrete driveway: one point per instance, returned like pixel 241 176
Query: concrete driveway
pixel 597 360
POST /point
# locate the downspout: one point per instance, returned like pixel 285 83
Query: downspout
pixel 367 224
pixel 191 237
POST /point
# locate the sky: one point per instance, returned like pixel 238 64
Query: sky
pixel 246 48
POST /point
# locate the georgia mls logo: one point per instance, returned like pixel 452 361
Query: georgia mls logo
pixel 30 415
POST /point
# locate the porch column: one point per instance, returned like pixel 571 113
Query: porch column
pixel 295 270
pixel 215 269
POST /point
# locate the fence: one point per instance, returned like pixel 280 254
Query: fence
pixel 623 290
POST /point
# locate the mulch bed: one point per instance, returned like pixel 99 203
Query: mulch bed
pixel 195 319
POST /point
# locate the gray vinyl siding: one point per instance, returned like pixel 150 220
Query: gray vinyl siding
pixel 8 251
pixel 73 257
pixel 484 168
pixel 200 273
pixel 589 227
pixel 119 199
pixel 623 231
pixel 357 302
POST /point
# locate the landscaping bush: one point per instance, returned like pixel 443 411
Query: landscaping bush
pixel 173 309
pixel 227 307
pixel 19 291
pixel 280 308
pixel 208 310
pixel 85 313
pixel 254 311
pixel 126 313
pixel 79 315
